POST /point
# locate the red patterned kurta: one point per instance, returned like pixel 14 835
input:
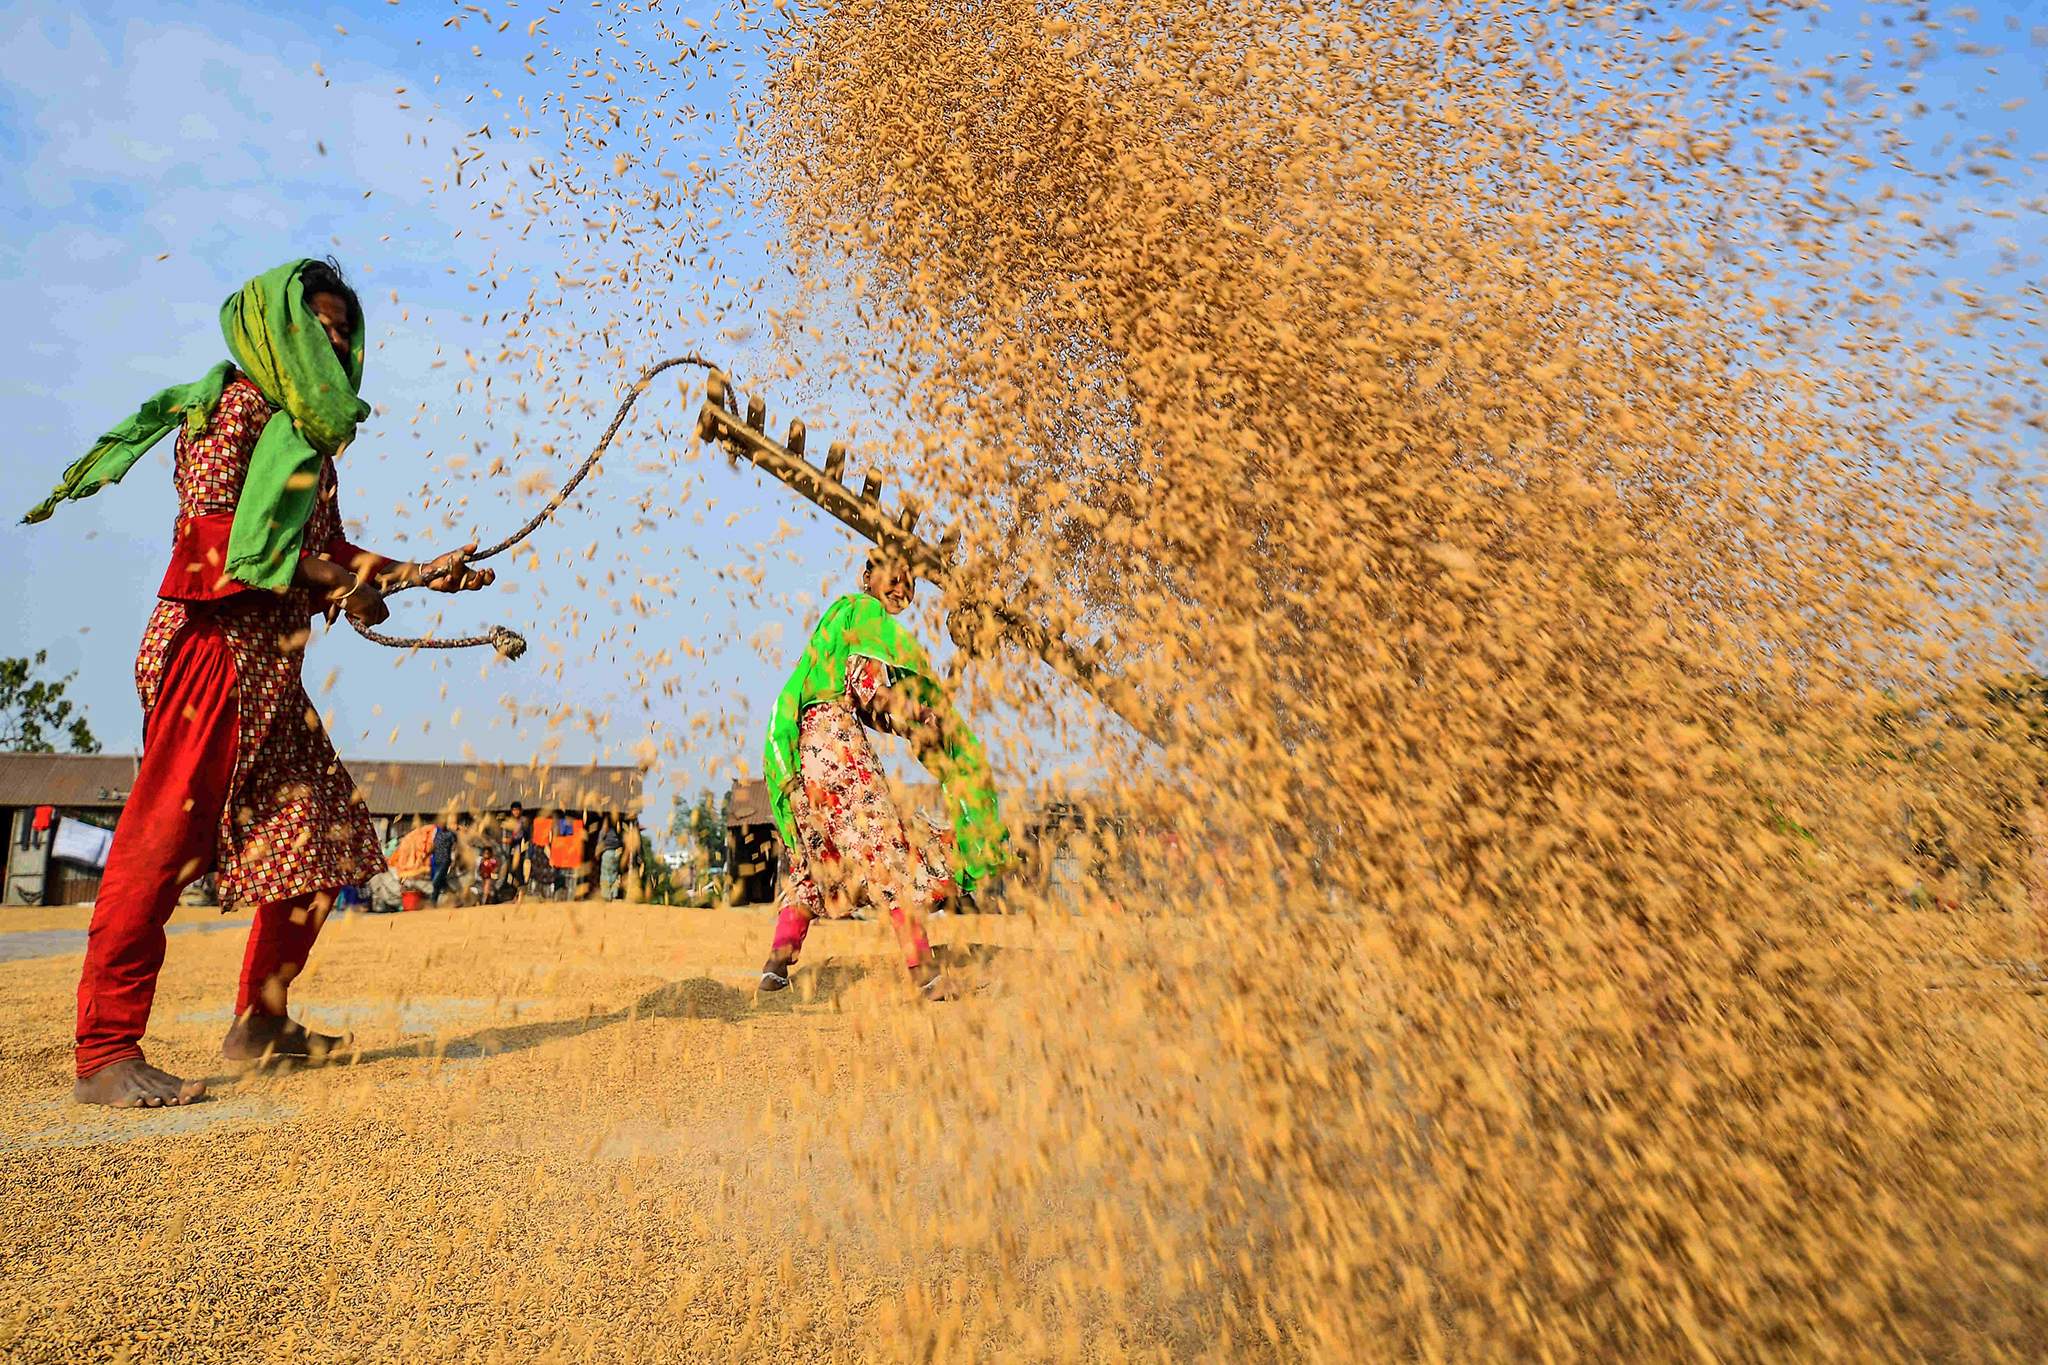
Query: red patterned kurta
pixel 293 824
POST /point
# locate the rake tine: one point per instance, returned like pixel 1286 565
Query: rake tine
pixel 716 393
pixel 979 623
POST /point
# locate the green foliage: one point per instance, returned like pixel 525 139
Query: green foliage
pixel 34 713
pixel 707 828
pixel 700 827
pixel 657 883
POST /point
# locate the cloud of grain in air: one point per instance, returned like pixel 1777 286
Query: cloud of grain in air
pixel 1538 464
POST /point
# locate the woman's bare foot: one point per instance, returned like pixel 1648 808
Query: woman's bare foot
pixel 135 1084
pixel 273 1037
pixel 933 985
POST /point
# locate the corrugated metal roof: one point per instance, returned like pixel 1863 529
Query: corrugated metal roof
pixel 389 787
pixel 81 781
pixel 396 787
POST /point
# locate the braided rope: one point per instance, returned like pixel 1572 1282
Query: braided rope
pixel 509 643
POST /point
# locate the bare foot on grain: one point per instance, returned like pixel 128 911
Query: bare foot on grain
pixel 135 1084
pixel 272 1037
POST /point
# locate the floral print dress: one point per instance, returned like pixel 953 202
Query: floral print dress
pixel 856 848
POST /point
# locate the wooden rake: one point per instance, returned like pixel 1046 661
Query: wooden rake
pixel 977 623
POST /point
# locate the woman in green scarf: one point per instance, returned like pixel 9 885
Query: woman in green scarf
pixel 237 776
pixel 843 840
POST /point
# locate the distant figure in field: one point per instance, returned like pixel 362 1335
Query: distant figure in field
pixel 843 840
pixel 565 855
pixel 518 840
pixel 410 868
pixel 490 872
pixel 631 863
pixel 237 776
pixel 540 868
pixel 611 855
pixel 443 867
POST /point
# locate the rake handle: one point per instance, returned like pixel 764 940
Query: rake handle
pixel 975 625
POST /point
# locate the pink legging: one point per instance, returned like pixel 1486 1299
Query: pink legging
pixel 792 924
pixel 851 839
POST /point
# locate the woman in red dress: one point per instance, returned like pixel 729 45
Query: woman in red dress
pixel 237 777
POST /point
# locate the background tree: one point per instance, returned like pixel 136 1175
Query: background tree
pixel 678 821
pixel 707 827
pixel 35 713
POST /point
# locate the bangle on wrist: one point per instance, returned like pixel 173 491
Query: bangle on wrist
pixel 354 587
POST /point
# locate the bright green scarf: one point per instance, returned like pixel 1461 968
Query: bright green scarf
pixel 276 341
pixel 860 624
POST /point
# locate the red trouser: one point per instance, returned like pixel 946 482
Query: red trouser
pixel 166 839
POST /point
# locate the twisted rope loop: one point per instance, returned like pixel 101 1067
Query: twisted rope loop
pixel 509 643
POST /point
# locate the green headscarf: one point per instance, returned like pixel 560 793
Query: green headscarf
pixel 274 339
pixel 859 624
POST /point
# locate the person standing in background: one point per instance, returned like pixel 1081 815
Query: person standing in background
pixel 410 868
pixel 632 862
pixel 611 852
pixel 442 868
pixel 540 874
pixel 518 845
pixel 565 854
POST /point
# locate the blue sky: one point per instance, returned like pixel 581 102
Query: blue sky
pixel 153 156
pixel 157 155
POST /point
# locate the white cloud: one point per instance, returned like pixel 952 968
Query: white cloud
pixel 172 107
pixel 200 145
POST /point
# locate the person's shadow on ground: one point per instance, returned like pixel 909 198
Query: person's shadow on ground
pixel 697 997
pixel 830 980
